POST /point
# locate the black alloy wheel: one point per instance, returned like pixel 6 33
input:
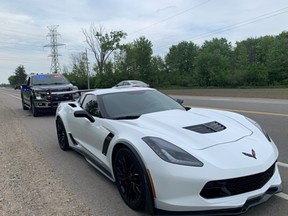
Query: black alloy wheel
pixel 130 179
pixel 61 135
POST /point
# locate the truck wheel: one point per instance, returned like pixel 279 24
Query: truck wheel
pixel 23 105
pixel 34 110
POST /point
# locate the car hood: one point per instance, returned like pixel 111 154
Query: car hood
pixel 197 128
pixel 55 88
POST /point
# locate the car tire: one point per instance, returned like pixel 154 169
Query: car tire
pixel 130 179
pixel 34 110
pixel 62 135
pixel 23 104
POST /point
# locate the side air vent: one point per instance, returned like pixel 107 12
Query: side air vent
pixel 210 127
pixel 72 105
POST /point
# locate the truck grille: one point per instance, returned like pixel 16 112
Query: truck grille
pixel 61 97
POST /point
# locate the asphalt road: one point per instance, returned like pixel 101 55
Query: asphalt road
pixel 102 196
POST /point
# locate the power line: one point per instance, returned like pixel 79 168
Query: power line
pixel 171 17
pixel 240 24
pixel 236 25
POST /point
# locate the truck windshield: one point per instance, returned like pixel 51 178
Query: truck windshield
pixel 49 79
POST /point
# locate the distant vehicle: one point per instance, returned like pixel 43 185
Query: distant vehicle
pixel 17 86
pixel 131 83
pixel 43 92
pixel 170 159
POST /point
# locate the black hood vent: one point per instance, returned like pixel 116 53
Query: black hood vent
pixel 210 127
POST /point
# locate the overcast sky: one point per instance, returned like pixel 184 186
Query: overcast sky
pixel 24 25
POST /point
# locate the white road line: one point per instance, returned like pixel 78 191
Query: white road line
pixel 282 164
pixel 12 96
pixel 282 195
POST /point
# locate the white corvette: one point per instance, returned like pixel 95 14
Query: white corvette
pixel 168 159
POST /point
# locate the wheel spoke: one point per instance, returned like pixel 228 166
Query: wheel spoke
pixel 129 179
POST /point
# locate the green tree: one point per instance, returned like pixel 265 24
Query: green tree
pixel 180 62
pixel 79 71
pixel 158 70
pixel 214 62
pixel 107 79
pixel 251 60
pixel 126 63
pixel 13 80
pixel 143 51
pixel 20 74
pixel 277 62
pixel 103 44
pixel 134 61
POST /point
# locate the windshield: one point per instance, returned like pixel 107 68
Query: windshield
pixel 49 79
pixel 132 104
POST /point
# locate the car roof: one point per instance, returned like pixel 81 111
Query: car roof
pixel 45 74
pixel 138 81
pixel 116 90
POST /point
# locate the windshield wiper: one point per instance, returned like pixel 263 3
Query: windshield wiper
pixel 127 117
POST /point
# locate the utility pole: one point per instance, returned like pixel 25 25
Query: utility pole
pixel 53 34
pixel 87 68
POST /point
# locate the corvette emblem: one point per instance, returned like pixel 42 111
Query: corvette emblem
pixel 253 154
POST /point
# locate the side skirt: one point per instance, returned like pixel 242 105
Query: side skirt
pixel 90 158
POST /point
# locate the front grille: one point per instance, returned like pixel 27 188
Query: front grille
pixel 62 97
pixel 60 90
pixel 210 127
pixel 230 187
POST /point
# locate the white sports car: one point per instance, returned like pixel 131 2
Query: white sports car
pixel 169 159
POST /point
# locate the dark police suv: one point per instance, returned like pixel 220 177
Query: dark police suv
pixel 43 92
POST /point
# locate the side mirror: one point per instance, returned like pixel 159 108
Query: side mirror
pixel 180 101
pixel 25 87
pixel 73 82
pixel 84 114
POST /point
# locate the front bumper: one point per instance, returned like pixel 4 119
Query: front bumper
pixel 55 100
pixel 180 195
pixel 42 104
pixel 229 211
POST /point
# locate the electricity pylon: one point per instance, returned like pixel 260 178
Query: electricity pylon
pixel 53 34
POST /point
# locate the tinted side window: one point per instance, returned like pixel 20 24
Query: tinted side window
pixel 120 84
pixel 28 81
pixel 90 105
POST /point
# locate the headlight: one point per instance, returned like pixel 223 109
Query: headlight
pixel 38 95
pixel 42 95
pixel 260 128
pixel 171 153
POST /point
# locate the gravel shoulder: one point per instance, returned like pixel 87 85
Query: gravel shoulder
pixel 28 186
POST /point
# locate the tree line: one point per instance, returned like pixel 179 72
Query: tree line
pixel 253 62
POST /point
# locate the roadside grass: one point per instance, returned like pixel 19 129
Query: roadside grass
pixel 272 93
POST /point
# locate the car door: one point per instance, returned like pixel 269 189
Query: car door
pixel 90 135
pixel 26 92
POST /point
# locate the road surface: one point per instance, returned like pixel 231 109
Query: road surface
pixel 102 197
